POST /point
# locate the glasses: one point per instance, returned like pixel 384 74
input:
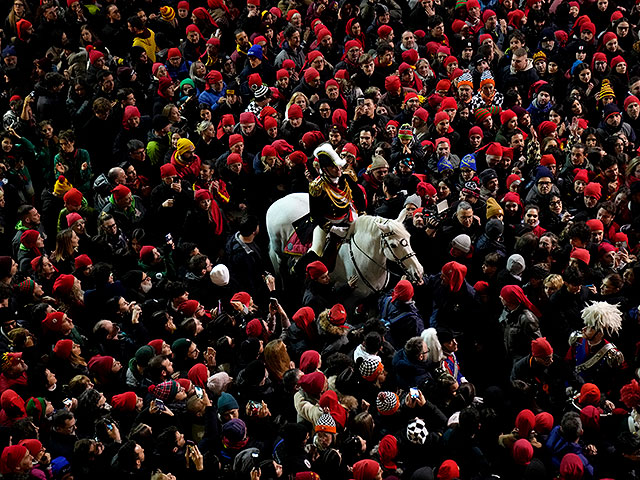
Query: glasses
pixel 557 202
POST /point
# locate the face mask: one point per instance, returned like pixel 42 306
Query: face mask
pixel 146 287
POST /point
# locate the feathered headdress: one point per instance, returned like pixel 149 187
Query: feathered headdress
pixel 603 317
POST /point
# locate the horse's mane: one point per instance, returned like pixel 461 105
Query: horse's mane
pixel 370 224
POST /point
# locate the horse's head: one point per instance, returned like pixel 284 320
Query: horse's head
pixel 396 247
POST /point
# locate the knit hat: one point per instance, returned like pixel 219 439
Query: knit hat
pixel 189 308
pixel 255 328
pixel 73 197
pixel 516 264
pixel 540 347
pixel 493 208
pixel 417 431
pixel 481 113
pixel 63 284
pixel 593 189
pixel 235 430
pixel 168 170
pixel 547 160
pixel 325 423
pixel 72 218
pixel 449 470
pixel 146 254
pixel 120 192
pixel 522 452
pixel 581 174
pixel 377 162
pixel 184 145
pixel 589 394
pixel 310 359
pixel 571 467
pixel 165 391
pixel 546 128
pixel 174 53
pixel 581 254
pixel 316 269
pixel 220 275
pixel 605 90
pixel 294 111
pixel 82 261
pixel 62 348
pixel 462 242
pixel 494 229
pixel 242 297
pixel 630 100
pixel 337 315
pixel 124 402
pixel 9 359
pixel 405 132
pixel 595 225
pixel 227 402
pixel 167 13
pixel 403 291
pixel 387 403
pixel 61 186
pixel 53 321
pixel 29 238
pixel 11 458
pixel 371 367
pixel 507 115
pixel 217 382
pixel 312 383
pixel 156 345
pixel 543 423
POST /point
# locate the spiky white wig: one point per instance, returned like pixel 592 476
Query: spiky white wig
pixel 603 317
pixel 430 337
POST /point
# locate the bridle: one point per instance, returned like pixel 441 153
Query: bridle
pixel 384 245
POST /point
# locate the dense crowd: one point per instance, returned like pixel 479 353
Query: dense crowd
pixel 144 332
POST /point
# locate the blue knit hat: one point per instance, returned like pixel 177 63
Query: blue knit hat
pixel 226 402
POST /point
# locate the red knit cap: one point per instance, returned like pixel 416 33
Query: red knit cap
pixel 120 192
pixel 29 238
pixel 581 254
pixel 242 297
pixel 581 174
pixel 449 469
pixel 595 225
pixel 392 83
pixel 547 160
pixel 403 291
pixel 82 261
pixel 156 345
pixel 365 470
pixel 441 117
pixel 312 383
pixel 198 374
pixel 146 253
pixel 316 269
pixel 33 445
pixel 295 111
pixel 168 170
pixel 337 315
pixel 593 189
pixel 174 52
pixel 124 402
pixel 11 458
pixel 384 30
pixel 53 321
pixel 73 197
pixel 235 138
pixel 255 328
pixel 62 348
pixel 310 74
pixel 189 307
pixel 507 115
pixel 72 218
pixel 540 347
pixel 63 284
pixel 589 394
pixel 629 100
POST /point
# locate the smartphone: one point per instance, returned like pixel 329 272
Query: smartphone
pixel 199 392
pixel 168 237
pixel 254 407
pixel 67 402
pixel 160 405
pixel 414 392
pixel 109 426
pixel 273 302
pixel 360 101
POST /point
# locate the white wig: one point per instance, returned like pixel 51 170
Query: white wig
pixel 430 337
pixel 603 317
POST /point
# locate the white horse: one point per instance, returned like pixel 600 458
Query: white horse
pixel 370 242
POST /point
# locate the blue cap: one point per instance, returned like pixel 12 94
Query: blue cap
pixel 256 51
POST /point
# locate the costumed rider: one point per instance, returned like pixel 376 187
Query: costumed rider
pixel 335 201
pixel 596 359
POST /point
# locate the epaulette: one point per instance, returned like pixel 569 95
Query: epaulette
pixel 315 187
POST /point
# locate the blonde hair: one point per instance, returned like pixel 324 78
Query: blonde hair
pixel 553 280
pixel 276 358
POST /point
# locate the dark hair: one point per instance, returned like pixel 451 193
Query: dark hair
pixel 393 183
pixel 135 22
pixel 60 418
pixel 581 231
pixel 413 348
pixel 372 342
pixel 571 426
pixel 248 225
pixel 572 276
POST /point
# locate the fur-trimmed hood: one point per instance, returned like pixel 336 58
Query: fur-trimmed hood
pixel 328 328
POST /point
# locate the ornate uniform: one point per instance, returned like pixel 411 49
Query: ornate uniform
pixel 594 364
pixel 332 202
